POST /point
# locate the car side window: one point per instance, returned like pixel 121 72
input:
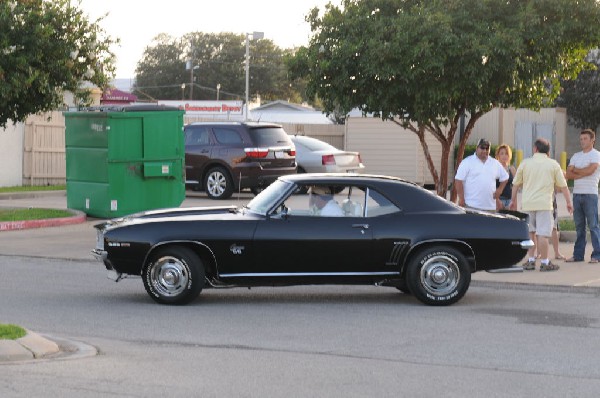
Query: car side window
pixel 197 136
pixel 378 205
pixel 327 201
pixel 227 136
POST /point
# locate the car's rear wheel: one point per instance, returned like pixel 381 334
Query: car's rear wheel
pixel 218 183
pixel 174 275
pixel 438 275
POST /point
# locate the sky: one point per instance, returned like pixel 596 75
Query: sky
pixel 137 22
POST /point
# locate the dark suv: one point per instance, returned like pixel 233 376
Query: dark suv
pixel 223 157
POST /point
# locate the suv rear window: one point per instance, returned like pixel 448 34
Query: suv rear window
pixel 270 136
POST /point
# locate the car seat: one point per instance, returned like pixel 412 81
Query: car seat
pixel 351 209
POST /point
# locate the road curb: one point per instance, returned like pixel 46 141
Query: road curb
pixel 78 217
pixel 34 347
pixel 30 346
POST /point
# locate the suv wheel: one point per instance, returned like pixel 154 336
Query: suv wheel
pixel 218 183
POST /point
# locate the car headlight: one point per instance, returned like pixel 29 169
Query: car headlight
pixel 99 240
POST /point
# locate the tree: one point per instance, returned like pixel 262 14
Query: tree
pixel 161 71
pixel 48 47
pixel 581 96
pixel 218 59
pixel 425 63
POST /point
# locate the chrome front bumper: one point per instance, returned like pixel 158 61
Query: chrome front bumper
pixel 527 244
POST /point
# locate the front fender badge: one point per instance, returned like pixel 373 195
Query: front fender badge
pixel 235 249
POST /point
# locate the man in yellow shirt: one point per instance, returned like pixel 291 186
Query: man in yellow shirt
pixel 538 176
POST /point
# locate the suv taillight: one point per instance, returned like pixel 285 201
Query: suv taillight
pixel 327 160
pixel 256 152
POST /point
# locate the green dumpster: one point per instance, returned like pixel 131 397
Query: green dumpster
pixel 122 160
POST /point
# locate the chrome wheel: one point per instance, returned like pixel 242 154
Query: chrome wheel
pixel 216 184
pixel 440 275
pixel 174 275
pixel 169 276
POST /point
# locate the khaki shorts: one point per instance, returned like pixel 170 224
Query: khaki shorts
pixel 541 222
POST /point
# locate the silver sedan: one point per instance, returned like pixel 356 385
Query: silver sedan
pixel 316 156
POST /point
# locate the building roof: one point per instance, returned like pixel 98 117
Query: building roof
pixel 284 106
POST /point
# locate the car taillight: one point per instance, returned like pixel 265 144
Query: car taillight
pixel 256 152
pixel 292 152
pixel 327 160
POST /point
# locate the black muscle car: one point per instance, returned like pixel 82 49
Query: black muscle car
pixel 348 229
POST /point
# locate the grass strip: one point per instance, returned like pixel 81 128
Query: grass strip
pixel 33 188
pixel 11 332
pixel 32 214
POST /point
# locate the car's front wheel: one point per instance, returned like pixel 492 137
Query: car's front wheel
pixel 218 183
pixel 438 275
pixel 174 275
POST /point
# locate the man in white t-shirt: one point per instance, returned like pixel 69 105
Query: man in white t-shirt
pixel 583 168
pixel 476 179
pixel 321 200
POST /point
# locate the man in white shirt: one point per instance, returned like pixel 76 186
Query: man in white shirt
pixel 322 201
pixel 476 179
pixel 583 168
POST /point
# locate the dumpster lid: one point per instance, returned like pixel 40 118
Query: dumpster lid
pixel 132 108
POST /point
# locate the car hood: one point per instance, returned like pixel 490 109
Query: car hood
pixel 174 214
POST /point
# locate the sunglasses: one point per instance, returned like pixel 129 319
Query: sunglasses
pixel 484 147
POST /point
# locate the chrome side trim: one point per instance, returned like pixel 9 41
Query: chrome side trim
pixel 268 274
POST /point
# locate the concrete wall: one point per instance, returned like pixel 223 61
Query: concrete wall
pixel 11 155
pixel 388 149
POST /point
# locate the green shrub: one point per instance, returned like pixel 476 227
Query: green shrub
pixel 566 224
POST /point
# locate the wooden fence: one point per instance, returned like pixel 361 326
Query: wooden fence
pixel 44 161
pixel 44 150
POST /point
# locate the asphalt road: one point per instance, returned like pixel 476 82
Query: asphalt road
pixel 298 341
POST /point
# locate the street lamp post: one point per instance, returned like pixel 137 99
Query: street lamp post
pixel 218 88
pixel 182 91
pixel 255 36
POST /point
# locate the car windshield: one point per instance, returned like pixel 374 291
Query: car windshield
pixel 269 197
pixel 315 145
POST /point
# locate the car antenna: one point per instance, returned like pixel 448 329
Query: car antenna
pixel 239 189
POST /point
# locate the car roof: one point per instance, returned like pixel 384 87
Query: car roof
pixel 414 197
pixel 343 178
pixel 230 123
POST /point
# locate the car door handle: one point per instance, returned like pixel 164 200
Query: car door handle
pixel 363 226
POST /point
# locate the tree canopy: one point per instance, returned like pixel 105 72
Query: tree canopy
pixel 581 96
pixel 218 59
pixel 46 48
pixel 425 63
